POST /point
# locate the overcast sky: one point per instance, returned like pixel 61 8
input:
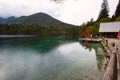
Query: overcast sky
pixel 71 11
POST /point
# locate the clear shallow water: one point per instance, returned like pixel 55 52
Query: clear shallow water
pixel 49 59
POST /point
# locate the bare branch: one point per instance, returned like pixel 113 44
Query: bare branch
pixel 58 1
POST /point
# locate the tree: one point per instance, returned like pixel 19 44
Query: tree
pixel 117 12
pixel 104 13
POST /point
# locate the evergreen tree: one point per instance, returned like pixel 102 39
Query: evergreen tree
pixel 113 18
pixel 117 12
pixel 91 22
pixel 104 13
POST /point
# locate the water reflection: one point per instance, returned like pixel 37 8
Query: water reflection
pixel 37 44
pixel 99 52
pixel 62 59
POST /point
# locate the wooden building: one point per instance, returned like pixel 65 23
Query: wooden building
pixel 109 29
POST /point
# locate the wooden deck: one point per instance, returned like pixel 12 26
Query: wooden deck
pixel 113 53
pixel 90 40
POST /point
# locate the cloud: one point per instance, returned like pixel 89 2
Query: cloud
pixel 76 12
pixel 71 11
pixel 112 6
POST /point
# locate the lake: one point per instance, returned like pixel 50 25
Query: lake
pixel 55 58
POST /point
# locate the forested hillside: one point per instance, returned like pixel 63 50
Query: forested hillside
pixel 37 24
pixel 36 29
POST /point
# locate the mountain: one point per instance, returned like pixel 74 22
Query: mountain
pixel 1 19
pixel 38 18
pixel 4 20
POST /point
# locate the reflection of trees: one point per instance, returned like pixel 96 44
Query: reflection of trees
pixel 99 54
pixel 39 44
pixel 90 46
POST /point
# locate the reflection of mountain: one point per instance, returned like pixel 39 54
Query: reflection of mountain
pixel 98 50
pixel 41 45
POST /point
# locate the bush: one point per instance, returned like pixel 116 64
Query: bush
pixel 118 19
pixel 105 20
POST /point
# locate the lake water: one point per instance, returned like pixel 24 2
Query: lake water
pixel 49 59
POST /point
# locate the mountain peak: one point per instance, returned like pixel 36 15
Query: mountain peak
pixel 40 13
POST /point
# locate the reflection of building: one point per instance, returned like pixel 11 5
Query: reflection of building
pixel 109 29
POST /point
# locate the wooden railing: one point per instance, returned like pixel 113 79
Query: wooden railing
pixel 118 64
pixel 113 69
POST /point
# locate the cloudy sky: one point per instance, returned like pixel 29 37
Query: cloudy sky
pixel 70 11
